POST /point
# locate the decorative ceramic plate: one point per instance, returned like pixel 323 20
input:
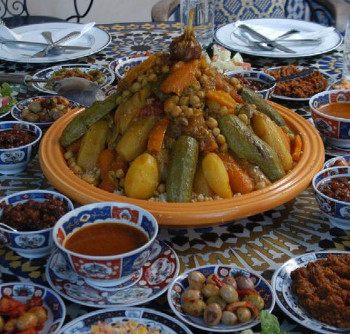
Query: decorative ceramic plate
pixel 181 283
pixel 225 37
pixel 121 65
pixel 95 39
pixel 145 285
pixel 207 213
pixel 53 303
pixel 288 302
pixel 142 316
pixel 331 80
pixel 106 73
pixel 16 111
pixel 330 163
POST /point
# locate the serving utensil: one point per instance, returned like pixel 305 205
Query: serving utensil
pixel 294 76
pixel 262 38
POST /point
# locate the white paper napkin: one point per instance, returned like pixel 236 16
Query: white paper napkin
pixel 7 33
pixel 273 33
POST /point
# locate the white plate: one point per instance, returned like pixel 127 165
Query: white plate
pixel 288 302
pixel 96 39
pixel 181 283
pixel 143 316
pixel 331 81
pixel 145 285
pixel 47 73
pixel 225 37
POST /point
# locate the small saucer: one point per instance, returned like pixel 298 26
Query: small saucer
pixel 145 285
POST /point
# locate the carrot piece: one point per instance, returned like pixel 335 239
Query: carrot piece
pixel 297 146
pixel 222 98
pixel 107 183
pixel 180 78
pixel 240 181
pixel 105 160
pixel 156 136
pixel 120 163
pixel 136 71
pixel 75 146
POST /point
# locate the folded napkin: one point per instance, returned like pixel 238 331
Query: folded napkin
pixel 9 34
pixel 273 33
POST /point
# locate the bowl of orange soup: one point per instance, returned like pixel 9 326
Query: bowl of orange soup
pixel 106 242
pixel 330 111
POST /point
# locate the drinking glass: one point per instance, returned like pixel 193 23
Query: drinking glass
pixel 203 20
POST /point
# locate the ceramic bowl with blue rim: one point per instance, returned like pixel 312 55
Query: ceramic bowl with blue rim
pixel 263 82
pixel 42 110
pixel 287 300
pixel 338 212
pixel 101 75
pixel 181 284
pixel 335 129
pixel 110 269
pixel 51 301
pixel 122 65
pixel 36 243
pixel 14 160
pixel 117 317
pixel 341 160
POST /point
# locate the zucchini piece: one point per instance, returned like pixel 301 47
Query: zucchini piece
pixel 181 170
pixel 251 97
pixel 78 126
pixel 247 145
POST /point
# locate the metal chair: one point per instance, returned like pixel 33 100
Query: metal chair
pixel 15 13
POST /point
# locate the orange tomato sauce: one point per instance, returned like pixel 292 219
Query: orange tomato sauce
pixel 339 109
pixel 105 239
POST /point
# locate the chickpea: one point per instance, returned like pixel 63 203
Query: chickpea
pixel 188 112
pixel 221 139
pixel 229 294
pixel 135 87
pixel 194 307
pixel 195 100
pixel 229 318
pixel 196 279
pixel 212 314
pixel 10 325
pixel 184 101
pixel 243 314
pixel 26 321
pixel 209 289
pixel 216 131
pixel 212 123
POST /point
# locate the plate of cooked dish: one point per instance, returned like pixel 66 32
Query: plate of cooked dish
pixel 100 75
pixel 313 290
pixel 125 320
pixel 300 89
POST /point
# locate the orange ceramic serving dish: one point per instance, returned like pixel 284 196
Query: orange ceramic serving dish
pixel 198 214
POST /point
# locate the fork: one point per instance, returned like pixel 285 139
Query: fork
pixel 45 51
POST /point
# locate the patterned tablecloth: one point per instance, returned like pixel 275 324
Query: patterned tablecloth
pixel 260 243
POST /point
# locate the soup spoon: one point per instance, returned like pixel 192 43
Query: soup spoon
pixel 8 227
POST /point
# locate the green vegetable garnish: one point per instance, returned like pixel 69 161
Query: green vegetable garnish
pixel 6 90
pixel 269 324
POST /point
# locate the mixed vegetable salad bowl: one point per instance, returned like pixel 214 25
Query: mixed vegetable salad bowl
pixel 185 142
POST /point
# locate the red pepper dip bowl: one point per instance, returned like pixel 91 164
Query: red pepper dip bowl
pixel 332 191
pixel 27 219
pixel 19 143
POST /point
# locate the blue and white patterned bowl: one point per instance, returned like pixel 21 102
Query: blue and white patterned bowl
pixel 179 285
pixel 52 302
pixel 30 244
pixel 338 212
pixel 331 162
pixel 106 270
pixel 335 129
pixel 122 65
pixel 259 76
pixel 15 160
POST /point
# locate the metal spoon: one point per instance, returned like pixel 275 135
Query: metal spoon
pixel 79 90
pixel 8 227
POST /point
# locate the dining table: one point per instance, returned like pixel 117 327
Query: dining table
pixel 260 243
